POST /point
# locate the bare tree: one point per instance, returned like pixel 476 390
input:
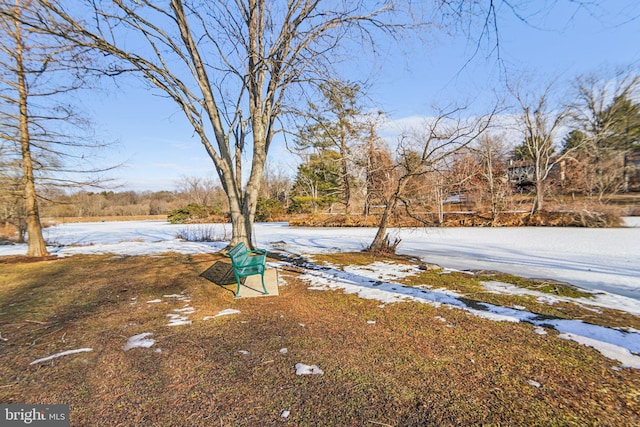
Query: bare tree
pixel 539 122
pixel 16 124
pixel 50 140
pixel 378 167
pixel 492 158
pixel 277 183
pixel 229 66
pixel 421 152
pixel 200 191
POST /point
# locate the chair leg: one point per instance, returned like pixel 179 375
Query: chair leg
pixel 263 287
pixel 237 295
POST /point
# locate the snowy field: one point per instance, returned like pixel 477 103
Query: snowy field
pixel 606 261
pixel 596 259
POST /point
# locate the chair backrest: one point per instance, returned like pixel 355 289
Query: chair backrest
pixel 238 253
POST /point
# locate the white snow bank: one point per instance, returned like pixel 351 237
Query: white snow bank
pixel 631 221
pixel 384 270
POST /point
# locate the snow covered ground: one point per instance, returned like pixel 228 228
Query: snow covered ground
pixel 596 259
pixel 375 281
pixel 603 260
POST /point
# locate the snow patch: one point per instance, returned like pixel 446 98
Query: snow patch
pixel 302 369
pixel 384 270
pixel 227 312
pixel 64 353
pixel 177 320
pixel 185 310
pixel 608 350
pixel 139 340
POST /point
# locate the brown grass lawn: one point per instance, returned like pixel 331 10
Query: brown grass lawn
pixel 407 369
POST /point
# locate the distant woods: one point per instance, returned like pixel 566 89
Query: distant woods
pixel 88 204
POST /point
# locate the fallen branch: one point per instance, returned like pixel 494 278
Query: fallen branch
pixel 37 322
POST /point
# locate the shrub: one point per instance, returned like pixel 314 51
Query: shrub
pixel 204 233
pixel 269 210
pixel 308 204
pixel 192 213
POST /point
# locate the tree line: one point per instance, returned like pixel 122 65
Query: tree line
pixel 582 142
pixel 446 163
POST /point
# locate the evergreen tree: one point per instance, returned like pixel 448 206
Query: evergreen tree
pixel 624 124
pixel 573 140
pixel 336 124
pixel 318 182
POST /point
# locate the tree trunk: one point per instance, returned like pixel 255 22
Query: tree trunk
pixel 538 203
pixel 242 204
pixel 380 241
pixel 345 174
pixel 242 231
pixel 625 174
pixel 440 202
pixel 492 186
pixel 35 244
pixel 242 213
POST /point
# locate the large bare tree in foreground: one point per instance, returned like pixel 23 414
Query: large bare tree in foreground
pixel 45 138
pixel 15 117
pixel 231 66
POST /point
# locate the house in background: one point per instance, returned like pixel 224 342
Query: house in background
pixel 521 173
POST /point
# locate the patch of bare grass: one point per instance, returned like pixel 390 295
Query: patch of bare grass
pixel 397 365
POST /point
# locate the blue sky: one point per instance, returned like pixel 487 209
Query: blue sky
pixel 559 42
